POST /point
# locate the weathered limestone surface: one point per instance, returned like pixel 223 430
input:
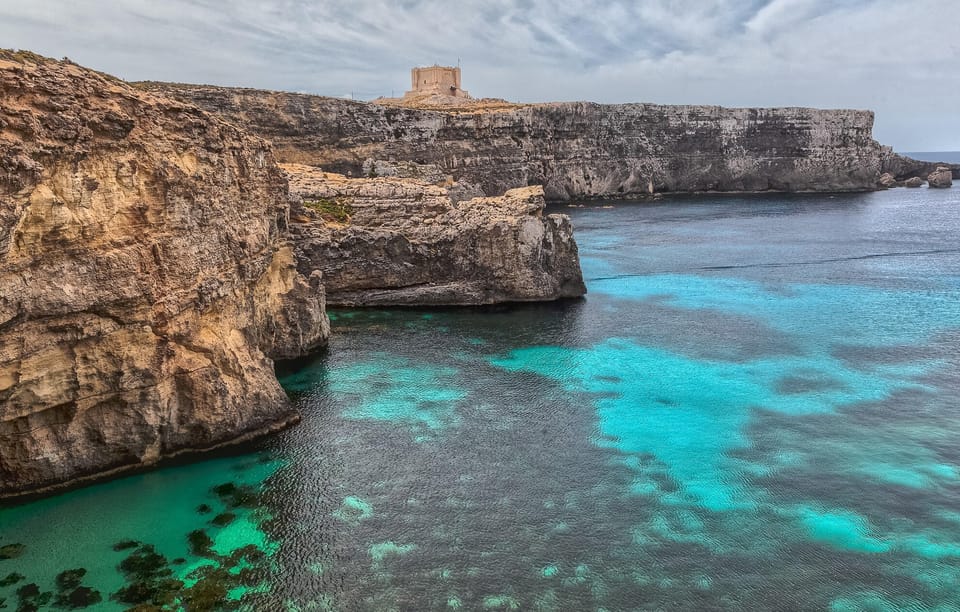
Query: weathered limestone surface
pixel 575 149
pixel 146 279
pixel 407 243
pixel 940 178
pixel 887 180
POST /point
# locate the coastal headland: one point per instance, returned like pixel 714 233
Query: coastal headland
pixel 161 245
pixel 573 149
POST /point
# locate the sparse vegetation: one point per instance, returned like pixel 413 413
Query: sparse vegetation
pixel 22 56
pixel 336 209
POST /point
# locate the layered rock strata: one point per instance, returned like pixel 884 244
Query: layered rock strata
pixel 392 241
pixel 146 279
pixel 575 149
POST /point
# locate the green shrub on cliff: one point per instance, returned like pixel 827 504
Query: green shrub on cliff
pixel 337 209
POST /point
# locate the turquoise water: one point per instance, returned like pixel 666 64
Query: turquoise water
pixel 755 408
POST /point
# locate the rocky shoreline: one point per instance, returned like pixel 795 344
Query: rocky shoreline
pixel 155 258
pixel 146 279
pixel 153 265
pixel 403 242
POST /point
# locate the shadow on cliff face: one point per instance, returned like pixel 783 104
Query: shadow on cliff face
pixel 144 273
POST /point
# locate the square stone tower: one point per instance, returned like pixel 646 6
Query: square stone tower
pixel 436 80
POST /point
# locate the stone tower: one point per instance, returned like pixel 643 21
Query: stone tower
pixel 436 80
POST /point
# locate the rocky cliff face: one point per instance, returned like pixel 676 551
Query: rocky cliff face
pixel 392 241
pixel 903 168
pixel 146 280
pixel 573 149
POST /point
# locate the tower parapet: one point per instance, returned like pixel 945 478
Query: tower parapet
pixel 436 80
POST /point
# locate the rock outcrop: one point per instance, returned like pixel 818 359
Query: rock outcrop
pixel 940 178
pixel 913 182
pixel 392 241
pixel 146 279
pixel 887 180
pixel 903 168
pixel 574 150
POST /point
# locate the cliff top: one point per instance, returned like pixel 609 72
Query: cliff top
pixel 450 104
pixel 335 200
pixel 29 58
pixel 456 106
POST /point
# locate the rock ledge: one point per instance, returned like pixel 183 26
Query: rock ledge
pixel 405 242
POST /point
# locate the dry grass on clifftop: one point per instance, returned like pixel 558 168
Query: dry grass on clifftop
pixel 450 104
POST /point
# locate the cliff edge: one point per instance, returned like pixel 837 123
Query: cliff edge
pixel 573 149
pixel 146 279
pixel 396 241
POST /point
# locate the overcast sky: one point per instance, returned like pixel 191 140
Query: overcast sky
pixel 900 58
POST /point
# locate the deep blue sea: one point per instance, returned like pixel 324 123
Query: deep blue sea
pixel 952 157
pixel 756 407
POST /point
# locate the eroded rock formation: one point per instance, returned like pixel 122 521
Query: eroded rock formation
pixel 392 241
pixel 904 168
pixel 146 280
pixel 575 149
pixel 887 181
pixel 940 178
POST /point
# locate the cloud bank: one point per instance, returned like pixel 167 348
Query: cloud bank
pixel 898 58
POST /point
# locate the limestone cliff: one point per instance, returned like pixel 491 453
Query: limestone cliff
pixel 392 241
pixel 575 149
pixel 146 280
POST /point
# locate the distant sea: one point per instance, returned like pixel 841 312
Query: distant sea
pixel 936 156
pixel 756 407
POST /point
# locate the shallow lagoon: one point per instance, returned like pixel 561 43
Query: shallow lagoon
pixel 756 407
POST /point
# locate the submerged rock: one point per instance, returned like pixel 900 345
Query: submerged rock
pixel 146 279
pixel 149 580
pixel 390 241
pixel 80 597
pixel 200 542
pixel 125 545
pixel 942 177
pixel 11 551
pixel 31 599
pixel 70 579
pixel 72 594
